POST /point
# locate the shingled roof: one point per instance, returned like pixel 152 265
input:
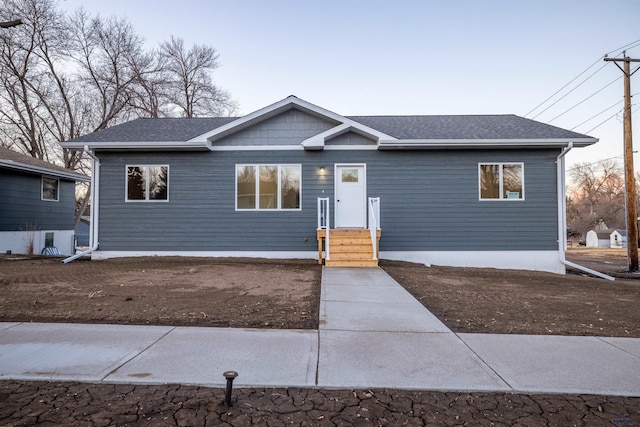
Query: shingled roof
pixel 13 160
pixel 391 131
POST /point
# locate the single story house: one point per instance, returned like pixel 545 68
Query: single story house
pixel 37 204
pixel 296 180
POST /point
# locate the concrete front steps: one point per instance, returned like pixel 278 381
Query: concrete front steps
pixel 350 248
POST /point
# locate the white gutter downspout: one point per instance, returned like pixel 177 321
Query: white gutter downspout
pixel 562 217
pixel 95 194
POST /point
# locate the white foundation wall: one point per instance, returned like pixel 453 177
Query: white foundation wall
pixel 516 260
pixel 18 242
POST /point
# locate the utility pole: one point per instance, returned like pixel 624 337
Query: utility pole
pixel 629 175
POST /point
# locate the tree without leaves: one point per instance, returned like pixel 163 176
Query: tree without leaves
pixel 65 76
pixel 189 85
pixel 596 195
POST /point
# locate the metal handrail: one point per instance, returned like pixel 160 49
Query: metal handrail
pixel 324 222
pixel 374 222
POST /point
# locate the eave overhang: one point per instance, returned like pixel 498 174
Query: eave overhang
pixel 438 144
pixel 10 164
pixel 140 145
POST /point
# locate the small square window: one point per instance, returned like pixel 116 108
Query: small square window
pixel 501 181
pixel 50 187
pixel 147 183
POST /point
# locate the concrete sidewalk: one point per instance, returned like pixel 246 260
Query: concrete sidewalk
pixel 373 334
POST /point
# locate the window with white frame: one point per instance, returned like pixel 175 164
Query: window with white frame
pixel 148 183
pixel 50 189
pixel 501 181
pixel 268 187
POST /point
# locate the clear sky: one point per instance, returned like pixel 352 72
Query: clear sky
pixel 370 57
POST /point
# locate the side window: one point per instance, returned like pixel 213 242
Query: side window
pixel 268 187
pixel 147 183
pixel 50 189
pixel 501 181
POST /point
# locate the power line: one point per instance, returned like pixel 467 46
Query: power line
pixel 562 88
pixel 584 100
pixel 594 163
pixel 631 45
pixel 596 115
pixel 571 91
pixel 603 122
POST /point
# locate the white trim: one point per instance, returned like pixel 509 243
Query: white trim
pixel 257 187
pixel 99 255
pixel 281 106
pixel 292 148
pixel 335 190
pixel 351 147
pixel 513 260
pixel 482 143
pixel 257 148
pixel 146 192
pixel 146 145
pixel 500 183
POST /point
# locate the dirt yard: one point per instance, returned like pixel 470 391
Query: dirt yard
pixel 162 291
pixel 285 294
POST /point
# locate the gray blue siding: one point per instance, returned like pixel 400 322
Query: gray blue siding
pixel 288 128
pixel 429 202
pixel 21 206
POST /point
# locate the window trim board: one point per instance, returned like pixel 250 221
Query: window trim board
pixel 146 199
pixel 500 182
pixel 257 187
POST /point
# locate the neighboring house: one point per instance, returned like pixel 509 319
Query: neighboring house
pixel 82 231
pixel 483 191
pixel 37 204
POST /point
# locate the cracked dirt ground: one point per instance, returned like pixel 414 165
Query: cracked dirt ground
pixel 42 403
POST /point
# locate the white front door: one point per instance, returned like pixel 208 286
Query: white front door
pixel 350 206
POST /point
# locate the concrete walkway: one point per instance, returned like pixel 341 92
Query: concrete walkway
pixel 373 334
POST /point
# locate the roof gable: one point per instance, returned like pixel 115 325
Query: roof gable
pixel 341 124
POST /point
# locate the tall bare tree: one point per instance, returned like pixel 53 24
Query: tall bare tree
pixel 64 76
pixel 596 195
pixel 188 74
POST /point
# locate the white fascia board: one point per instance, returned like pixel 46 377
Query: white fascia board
pixel 140 145
pixel 316 142
pixel 290 147
pixel 482 143
pixel 256 148
pixel 277 108
pixel 10 164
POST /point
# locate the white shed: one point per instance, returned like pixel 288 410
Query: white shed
pixel 599 238
pixel 618 239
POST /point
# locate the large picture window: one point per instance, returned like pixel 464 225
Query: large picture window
pixel 50 189
pixel 146 183
pixel 268 187
pixel 501 181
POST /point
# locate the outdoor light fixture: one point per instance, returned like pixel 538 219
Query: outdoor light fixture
pixel 322 171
